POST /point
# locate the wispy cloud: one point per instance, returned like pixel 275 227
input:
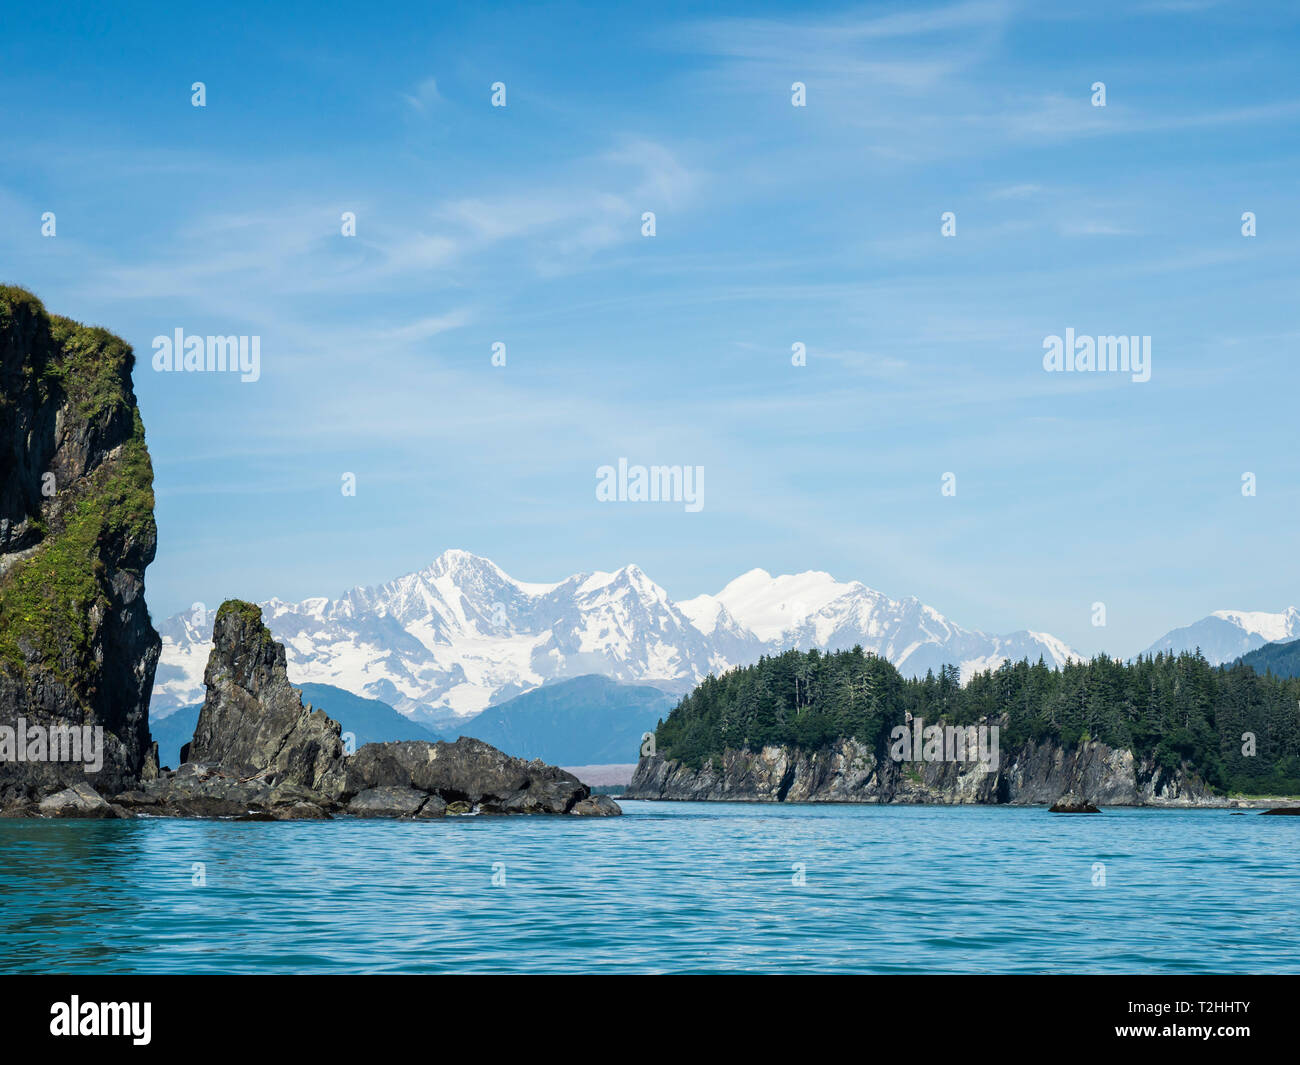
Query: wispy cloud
pixel 424 96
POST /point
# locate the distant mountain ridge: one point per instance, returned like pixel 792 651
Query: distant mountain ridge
pixel 448 641
pixel 1226 635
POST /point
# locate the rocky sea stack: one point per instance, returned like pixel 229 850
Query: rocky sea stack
pixel 77 649
pixel 259 754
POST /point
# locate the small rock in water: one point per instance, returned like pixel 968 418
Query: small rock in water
pixel 1072 803
pixel 597 806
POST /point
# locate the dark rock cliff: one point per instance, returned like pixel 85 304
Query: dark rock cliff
pixel 76 532
pixel 253 720
pixel 847 771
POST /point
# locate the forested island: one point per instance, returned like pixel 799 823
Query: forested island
pixel 1235 729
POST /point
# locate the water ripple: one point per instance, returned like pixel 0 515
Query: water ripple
pixel 671 887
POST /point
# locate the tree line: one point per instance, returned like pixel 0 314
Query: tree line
pixel 1239 729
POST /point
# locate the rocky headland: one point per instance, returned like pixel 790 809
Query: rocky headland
pixel 849 772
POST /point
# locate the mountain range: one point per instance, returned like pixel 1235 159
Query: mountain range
pixel 585 721
pixel 445 643
pixel 1280 659
pixel 461 635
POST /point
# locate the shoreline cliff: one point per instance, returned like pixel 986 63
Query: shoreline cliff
pixel 78 650
pixel 847 771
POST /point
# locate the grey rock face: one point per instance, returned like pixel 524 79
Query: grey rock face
pixel 199 790
pixel 253 721
pixel 434 806
pixel 597 806
pixel 847 771
pixel 76 532
pixel 80 800
pixel 259 753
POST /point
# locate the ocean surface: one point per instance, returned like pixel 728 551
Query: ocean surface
pixel 671 887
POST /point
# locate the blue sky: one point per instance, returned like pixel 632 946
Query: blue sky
pixel 775 225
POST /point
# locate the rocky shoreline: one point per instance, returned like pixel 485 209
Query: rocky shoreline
pixel 259 754
pixel 849 772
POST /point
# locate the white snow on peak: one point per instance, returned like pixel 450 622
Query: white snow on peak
pixel 1057 650
pixel 1270 627
pixel 703 611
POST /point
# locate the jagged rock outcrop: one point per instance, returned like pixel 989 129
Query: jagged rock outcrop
pixel 207 790
pixel 77 648
pixel 253 722
pixel 258 753
pixel 848 771
pixel 80 800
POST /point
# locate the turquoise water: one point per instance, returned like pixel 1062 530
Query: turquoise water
pixel 669 887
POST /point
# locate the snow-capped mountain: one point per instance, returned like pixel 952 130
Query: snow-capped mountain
pixel 1226 635
pixel 808 610
pixel 461 635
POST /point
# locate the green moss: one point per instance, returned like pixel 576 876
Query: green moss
pixel 14 300
pixel 50 601
pixel 46 601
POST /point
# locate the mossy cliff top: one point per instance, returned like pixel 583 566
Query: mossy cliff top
pixel 239 620
pixel 76 494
